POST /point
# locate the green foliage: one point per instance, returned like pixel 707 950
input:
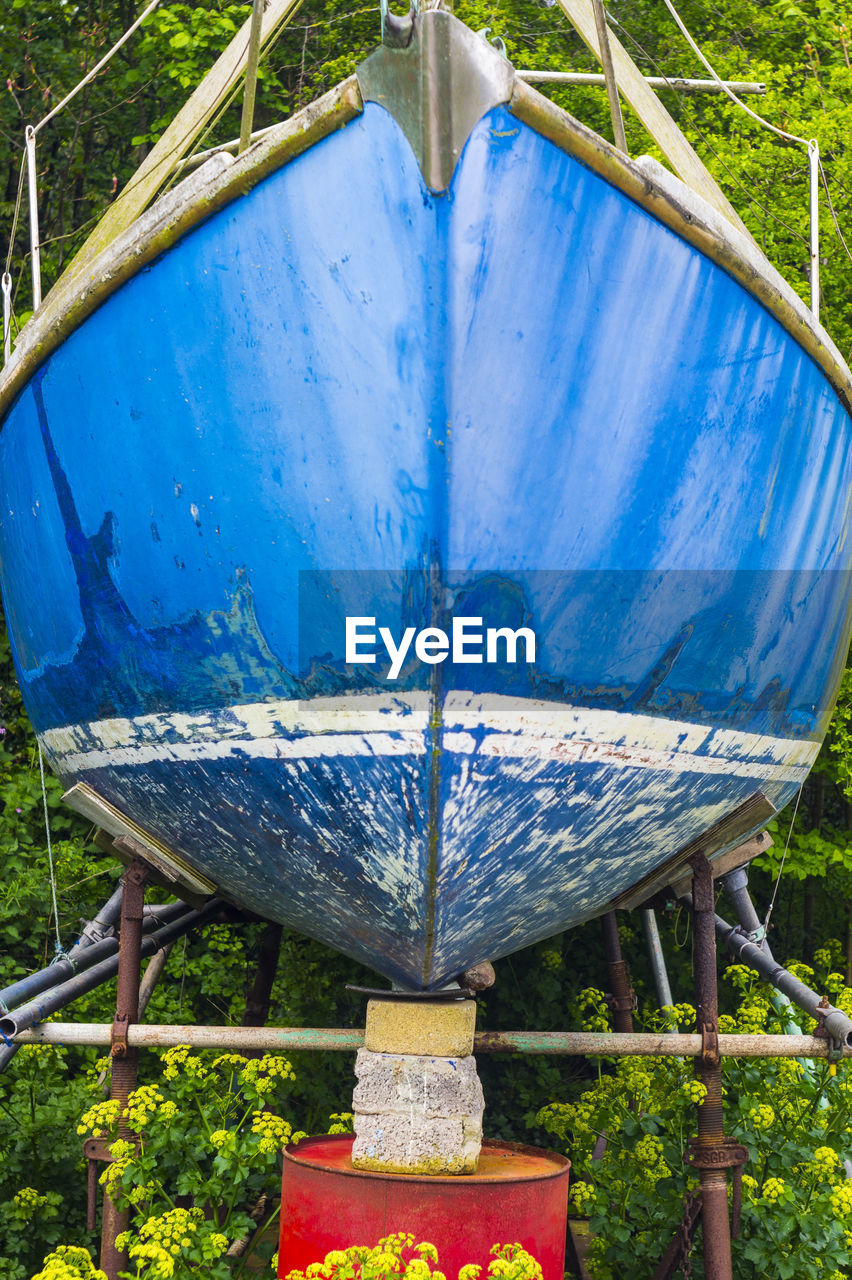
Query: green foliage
pixel 627 1138
pixel 42 1180
pixel 89 151
pixel 70 1262
pixel 387 1260
pixel 801 50
pixel 840 735
pixel 83 880
pixel 208 1135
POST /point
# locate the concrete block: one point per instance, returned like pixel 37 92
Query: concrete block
pixel 442 1029
pixel 412 1144
pixel 416 1114
pixel 396 1082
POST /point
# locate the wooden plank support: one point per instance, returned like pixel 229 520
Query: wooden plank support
pixel 632 85
pixel 179 137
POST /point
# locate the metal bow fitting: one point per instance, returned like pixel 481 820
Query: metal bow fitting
pixel 396 31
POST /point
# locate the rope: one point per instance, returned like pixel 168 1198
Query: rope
pixel 682 99
pixel 815 164
pixel 782 133
pixel 17 211
pixel 783 859
pixel 32 130
pixel 98 66
pixel 831 209
pixel 60 950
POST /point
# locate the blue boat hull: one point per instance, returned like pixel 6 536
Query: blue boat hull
pixel 526 401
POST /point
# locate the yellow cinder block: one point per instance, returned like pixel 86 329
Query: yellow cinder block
pixel 443 1029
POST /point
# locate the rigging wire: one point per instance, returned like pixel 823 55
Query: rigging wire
pixel 28 153
pixel 98 66
pixel 18 200
pixel 783 859
pixel 833 214
pixel 29 165
pixel 7 275
pixel 172 157
pixel 817 171
pixel 782 133
pixel 683 99
pixel 811 144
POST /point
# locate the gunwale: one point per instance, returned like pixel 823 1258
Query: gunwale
pixel 221 180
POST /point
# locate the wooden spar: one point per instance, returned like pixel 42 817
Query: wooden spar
pixel 189 122
pixel 654 116
pixel 609 76
pixel 196 113
pixel 252 60
pixel 576 79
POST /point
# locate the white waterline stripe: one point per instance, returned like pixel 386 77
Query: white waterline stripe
pixel 577 751
pixel 320 746
pixel 382 713
pixel 503 714
pixel 361 713
pixel 789 766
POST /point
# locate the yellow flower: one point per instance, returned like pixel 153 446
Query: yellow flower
pixel 387 1261
pixel 174 1059
pixel 417 1269
pixel 69 1262
pixel 841 1199
pixel 648 1149
pixel 581 1193
pixel 100 1118
pixel 773 1189
pixel 233 1060
pixel 825 1161
pixel 272 1130
pixel 762 1117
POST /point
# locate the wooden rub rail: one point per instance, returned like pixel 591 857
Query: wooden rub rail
pixel 565 1043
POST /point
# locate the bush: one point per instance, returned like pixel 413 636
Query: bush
pixel 792 1116
pixel 208 1149
pixel 386 1260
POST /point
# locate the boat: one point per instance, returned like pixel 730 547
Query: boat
pixel 430 527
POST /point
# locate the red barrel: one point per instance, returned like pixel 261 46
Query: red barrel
pixel 517 1194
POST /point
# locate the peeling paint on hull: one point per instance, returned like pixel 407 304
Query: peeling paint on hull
pixel 525 400
pixel 323 821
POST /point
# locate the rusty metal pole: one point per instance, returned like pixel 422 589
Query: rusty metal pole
pixel 125 1060
pixel 708 1149
pixel 621 999
pixel 260 996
